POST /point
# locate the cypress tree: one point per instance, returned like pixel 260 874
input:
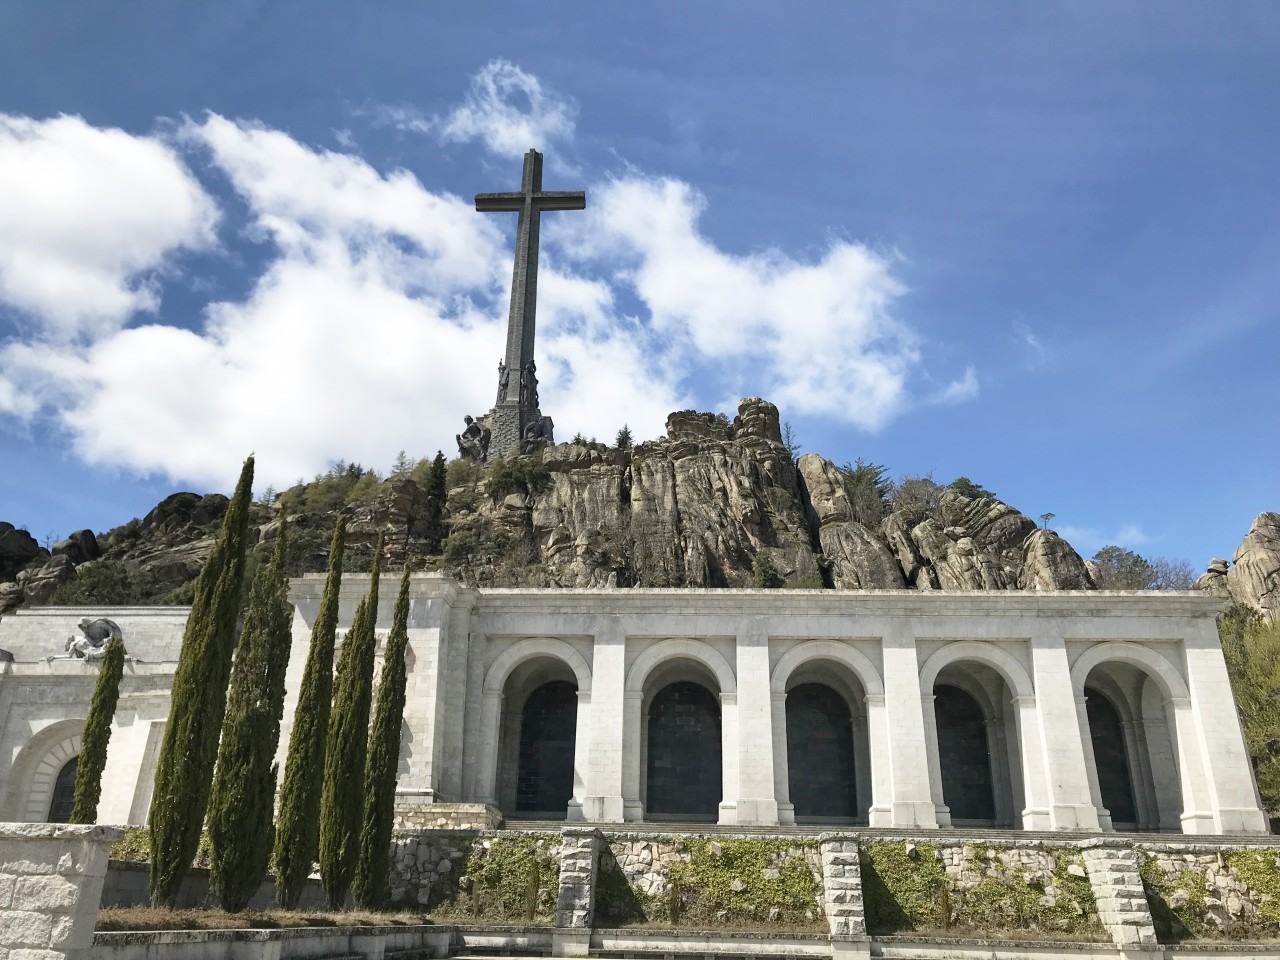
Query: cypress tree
pixel 370 882
pixel 437 493
pixel 298 823
pixel 97 733
pixel 342 798
pixel 198 698
pixel 244 785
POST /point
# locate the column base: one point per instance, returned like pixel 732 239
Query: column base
pixel 602 810
pixel 728 813
pixel 1198 823
pixel 787 814
pixel 1077 816
pixel 1242 820
pixel 1037 818
pixel 632 811
pixel 760 810
pixel 913 813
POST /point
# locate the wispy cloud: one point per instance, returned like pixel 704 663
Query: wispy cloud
pixel 506 109
pixel 1089 540
pixel 1033 351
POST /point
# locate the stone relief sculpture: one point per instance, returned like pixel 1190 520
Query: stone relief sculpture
pixel 529 385
pixel 92 645
pixel 473 442
pixel 538 434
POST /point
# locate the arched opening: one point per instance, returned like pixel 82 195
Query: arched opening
pixel 683 777
pixel 544 781
pixel 964 754
pixel 64 793
pixel 1132 746
pixel 537 737
pixel 822 776
pixel 1111 759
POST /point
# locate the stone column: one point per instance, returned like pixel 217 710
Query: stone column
pixel 1232 797
pixel 879 805
pixel 632 754
pixel 756 798
pixel 842 895
pixel 728 809
pixel 1122 903
pixel 1091 764
pixel 576 897
pixel 490 734
pixel 606 736
pixel 1066 774
pixel 911 800
pixel 781 769
pixel 581 756
pixel 51 878
pixel 1035 812
pixel 933 756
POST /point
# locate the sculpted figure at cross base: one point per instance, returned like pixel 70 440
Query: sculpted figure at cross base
pixel 92 645
pixel 538 434
pixel 504 377
pixel 473 442
pixel 529 385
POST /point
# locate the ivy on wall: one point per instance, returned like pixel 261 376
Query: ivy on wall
pixel 742 883
pixel 512 878
pixel 906 886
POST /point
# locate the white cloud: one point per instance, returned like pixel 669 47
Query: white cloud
pixel 379 314
pixel 959 391
pixel 505 109
pixel 1089 540
pixel 87 215
pixel 1032 347
pixel 816 337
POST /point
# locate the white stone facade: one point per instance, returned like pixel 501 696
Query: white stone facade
pixel 1024 666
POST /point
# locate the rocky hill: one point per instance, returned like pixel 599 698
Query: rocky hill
pixel 714 503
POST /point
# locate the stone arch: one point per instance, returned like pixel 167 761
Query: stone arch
pixel 1003 662
pixel 696 650
pixel 1155 665
pixel 522 651
pixel 858 662
pixel 35 769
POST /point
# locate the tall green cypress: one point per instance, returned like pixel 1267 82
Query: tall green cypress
pixel 370 882
pixel 437 494
pixel 244 785
pixel 97 733
pixel 198 698
pixel 342 798
pixel 298 823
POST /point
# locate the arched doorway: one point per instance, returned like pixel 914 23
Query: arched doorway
pixel 683 770
pixel 1132 746
pixel 1111 759
pixel 64 793
pixel 548 727
pixel 964 754
pixel 537 740
pixel 822 777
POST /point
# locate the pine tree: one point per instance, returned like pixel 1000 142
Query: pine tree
pixel 437 494
pixel 342 797
pixel 370 882
pixel 244 785
pixel 623 440
pixel 198 698
pixel 97 733
pixel 297 826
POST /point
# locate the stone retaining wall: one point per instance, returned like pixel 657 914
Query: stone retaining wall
pixel 50 883
pixel 411 813
pixel 1201 892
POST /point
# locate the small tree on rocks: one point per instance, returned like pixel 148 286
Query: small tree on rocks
pixel 342 797
pixel 244 785
pixel 384 756
pixel 297 828
pixel 184 772
pixel 97 733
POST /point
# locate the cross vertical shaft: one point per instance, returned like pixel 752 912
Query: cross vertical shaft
pixel 517 384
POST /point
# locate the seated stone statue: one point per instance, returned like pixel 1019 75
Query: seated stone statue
pixel 473 442
pixel 538 434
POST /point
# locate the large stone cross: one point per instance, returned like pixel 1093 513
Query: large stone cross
pixel 529 202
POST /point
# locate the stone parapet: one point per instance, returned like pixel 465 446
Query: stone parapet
pixel 51 877
pixel 419 813
pixel 1117 890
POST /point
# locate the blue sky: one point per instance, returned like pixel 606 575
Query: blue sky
pixel 1034 244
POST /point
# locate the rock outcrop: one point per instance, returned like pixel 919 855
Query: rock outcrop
pixel 714 503
pixel 1253 577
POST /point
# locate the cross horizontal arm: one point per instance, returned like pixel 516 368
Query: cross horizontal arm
pixel 543 200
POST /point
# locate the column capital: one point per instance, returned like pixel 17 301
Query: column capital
pixel 877 699
pixel 727 698
pixel 1023 701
